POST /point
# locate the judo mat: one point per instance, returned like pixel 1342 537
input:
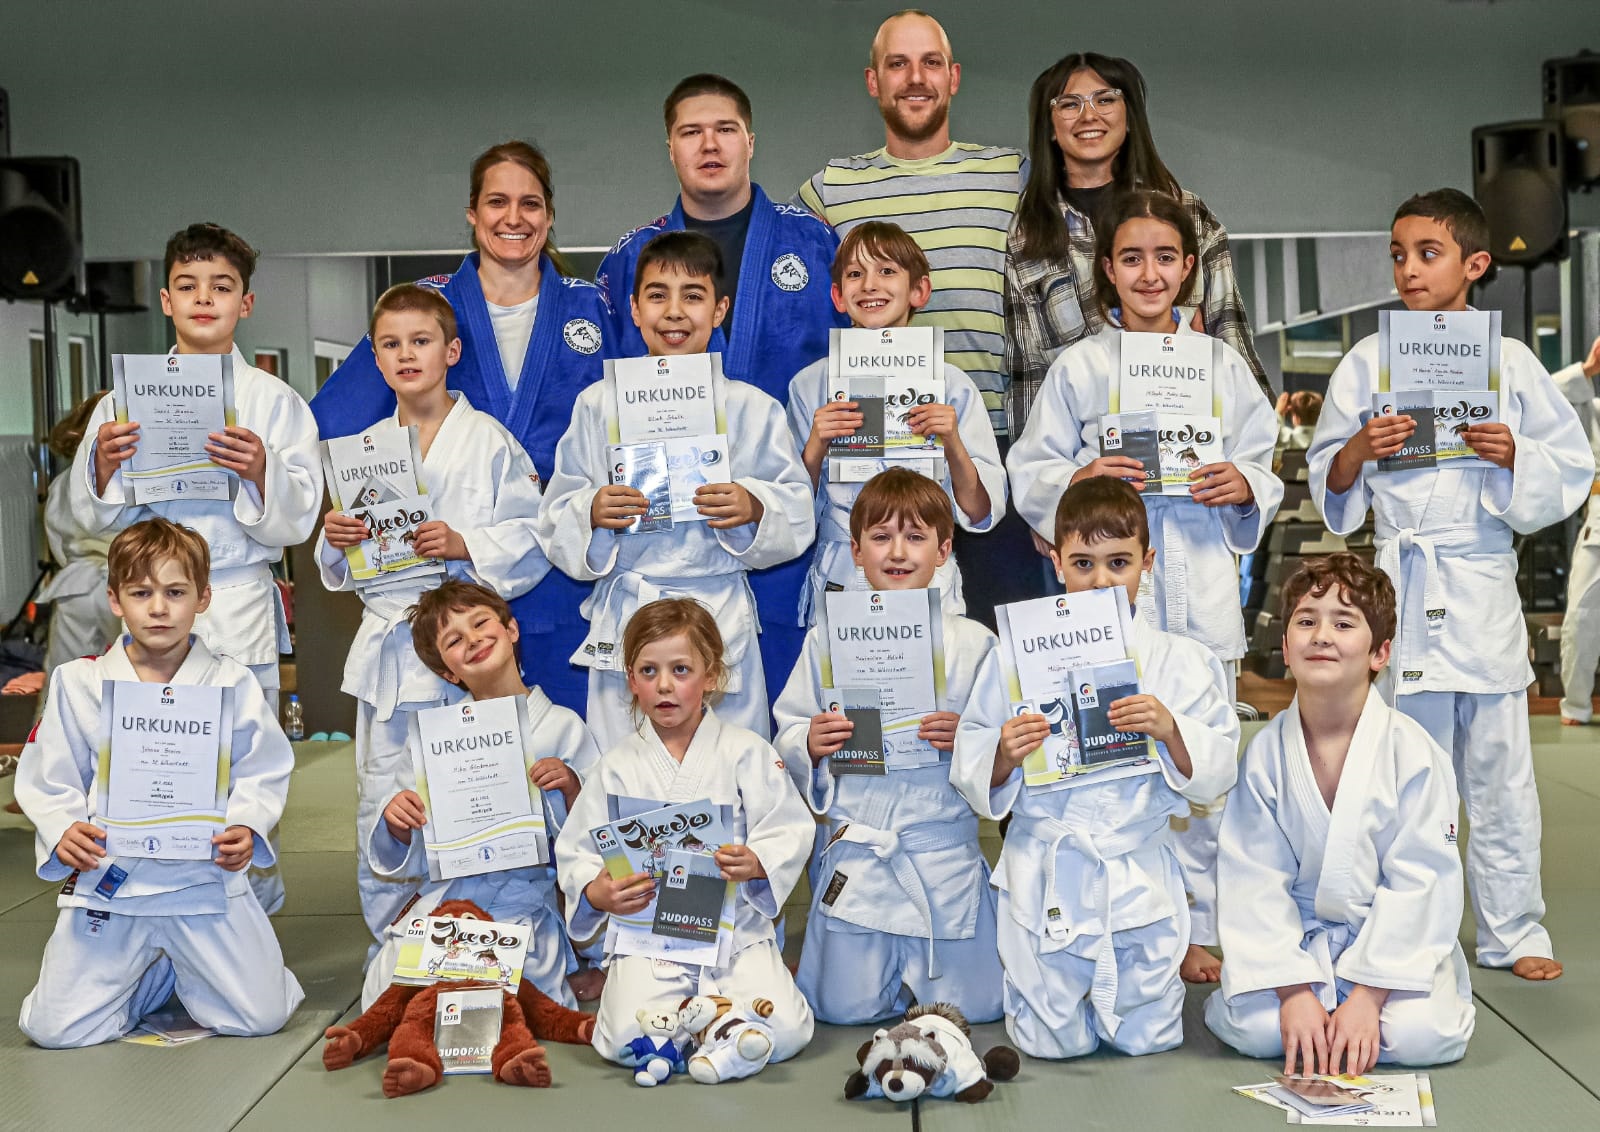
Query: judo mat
pixel 1534 1061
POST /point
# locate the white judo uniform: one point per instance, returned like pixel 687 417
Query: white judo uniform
pixel 81 624
pixel 1460 664
pixel 246 619
pixel 901 908
pixel 484 486
pixel 831 564
pixel 1366 892
pixel 691 560
pixel 730 766
pixel 1580 628
pixel 1092 919
pixel 188 925
pixel 513 896
pixel 1194 589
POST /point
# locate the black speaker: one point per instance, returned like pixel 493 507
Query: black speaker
pixel 1517 176
pixel 41 228
pixel 116 287
pixel 1572 97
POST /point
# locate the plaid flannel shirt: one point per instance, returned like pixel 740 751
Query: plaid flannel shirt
pixel 1050 304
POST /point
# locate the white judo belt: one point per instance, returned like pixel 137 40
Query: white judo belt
pixel 895 849
pixel 1051 833
pixel 1393 544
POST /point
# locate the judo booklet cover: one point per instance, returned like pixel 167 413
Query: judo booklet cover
pixel 471 765
pixel 1095 689
pixel 466 1028
pixel 444 949
pixel 677 402
pixel 645 836
pixel 892 641
pixel 178 401
pixel 1394 1100
pixel 164 767
pixel 1050 649
pixel 376 476
pixel 1441 368
pixel 644 468
pixel 888 373
pixel 863 752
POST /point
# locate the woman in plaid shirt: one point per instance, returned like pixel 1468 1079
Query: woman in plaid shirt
pixel 1088 139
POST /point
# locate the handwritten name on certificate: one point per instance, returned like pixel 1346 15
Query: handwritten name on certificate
pixel 665 397
pixel 891 640
pixel 471 765
pixel 164 768
pixel 178 401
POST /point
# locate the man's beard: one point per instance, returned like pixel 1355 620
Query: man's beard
pixel 914 131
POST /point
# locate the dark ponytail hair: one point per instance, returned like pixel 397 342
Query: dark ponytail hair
pixel 1039 221
pixel 1132 206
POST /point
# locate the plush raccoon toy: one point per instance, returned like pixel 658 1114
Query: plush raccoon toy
pixel 929 1054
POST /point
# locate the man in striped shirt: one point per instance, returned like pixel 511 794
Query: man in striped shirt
pixel 955 199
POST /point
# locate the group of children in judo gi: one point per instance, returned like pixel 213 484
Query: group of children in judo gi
pixel 1330 879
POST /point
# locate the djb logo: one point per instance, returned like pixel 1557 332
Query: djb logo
pixel 875 603
pixel 452 1015
pixel 1440 322
pixel 1087 697
pixel 167 699
pixel 366 443
pixel 886 336
pixel 663 367
pixel 678 878
pixel 1061 608
pixel 172 364
pixel 617 472
pixel 1113 438
pixel 466 714
pixel 1166 344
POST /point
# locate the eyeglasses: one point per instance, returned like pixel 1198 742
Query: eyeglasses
pixel 1070 106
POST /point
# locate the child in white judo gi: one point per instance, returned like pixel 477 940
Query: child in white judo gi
pixel 1339 877
pixel 760 517
pixel 880 279
pixel 485 498
pixel 1092 920
pixel 1444 537
pixel 1580 628
pixel 1146 253
pixel 901 909
pixel 133 929
pixel 466 634
pixel 272 449
pixel 683 751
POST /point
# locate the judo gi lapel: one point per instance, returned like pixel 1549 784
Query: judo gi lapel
pixel 443 442
pixel 1335 890
pixel 548 328
pixel 683 779
pixel 754 268
pixel 485 376
pixel 196 668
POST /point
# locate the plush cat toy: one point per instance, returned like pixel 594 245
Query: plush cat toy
pixel 929 1054
pixel 403 1017
pixel 730 1042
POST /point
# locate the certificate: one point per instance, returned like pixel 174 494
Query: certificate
pixel 1046 646
pixel 1444 365
pixel 471 764
pixel 376 476
pixel 164 768
pixel 178 401
pixel 888 373
pixel 1173 373
pixel 891 640
pixel 666 397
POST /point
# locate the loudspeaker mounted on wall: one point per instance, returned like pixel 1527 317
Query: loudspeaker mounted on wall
pixel 41 228
pixel 1572 98
pixel 1518 179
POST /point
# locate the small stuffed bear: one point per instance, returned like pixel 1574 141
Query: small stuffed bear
pixel 403 1017
pixel 731 1043
pixel 929 1054
pixel 658 1053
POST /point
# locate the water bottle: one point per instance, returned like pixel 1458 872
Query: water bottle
pixel 294 720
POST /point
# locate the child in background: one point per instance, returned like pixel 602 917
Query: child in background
pixel 880 279
pixel 1444 537
pixel 1338 862
pixel 912 919
pixel 273 451
pixel 485 499
pixel 466 635
pixel 760 517
pixel 1297 418
pixel 131 930
pixel 683 752
pixel 1093 921
pixel 1147 253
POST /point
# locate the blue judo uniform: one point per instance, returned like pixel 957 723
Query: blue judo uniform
pixel 781 324
pixel 563 357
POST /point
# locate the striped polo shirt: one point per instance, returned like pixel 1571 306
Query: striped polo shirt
pixel 957 206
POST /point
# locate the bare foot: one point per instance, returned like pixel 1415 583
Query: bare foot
pixel 13 807
pixel 1536 969
pixel 528 1068
pixel 1200 966
pixel 405 1076
pixel 587 983
pixel 1565 722
pixel 342 1047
